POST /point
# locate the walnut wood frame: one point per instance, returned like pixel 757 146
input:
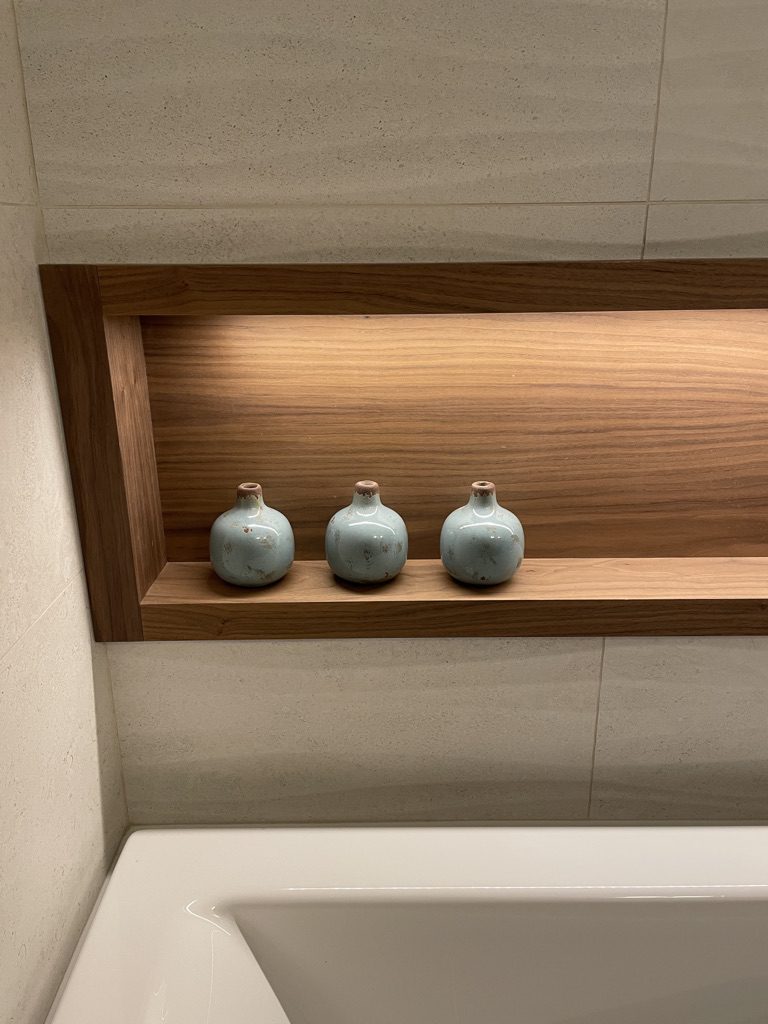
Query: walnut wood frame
pixel 94 322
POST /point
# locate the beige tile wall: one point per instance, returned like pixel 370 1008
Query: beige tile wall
pixel 404 730
pixel 189 103
pixel 357 730
pixel 62 806
pixel 170 131
pixel 683 729
pixel 346 234
pixel 584 129
pixel 712 139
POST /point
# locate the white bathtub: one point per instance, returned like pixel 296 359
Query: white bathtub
pixel 429 926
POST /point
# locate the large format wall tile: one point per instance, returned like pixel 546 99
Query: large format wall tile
pixel 61 803
pixel 346 233
pixel 17 174
pixel 712 140
pixel 691 230
pixel 356 730
pixel 228 103
pixel 683 729
pixel 39 548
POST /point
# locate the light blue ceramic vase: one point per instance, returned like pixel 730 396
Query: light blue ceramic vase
pixel 251 544
pixel 482 542
pixel 366 542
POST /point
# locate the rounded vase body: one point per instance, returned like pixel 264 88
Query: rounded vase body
pixel 251 544
pixel 482 542
pixel 366 542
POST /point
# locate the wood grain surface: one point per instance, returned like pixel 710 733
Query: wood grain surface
pixel 633 434
pixel 137 447
pixel 433 287
pixel 548 597
pixel 102 389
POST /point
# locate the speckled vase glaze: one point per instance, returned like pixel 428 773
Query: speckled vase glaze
pixel 482 542
pixel 366 542
pixel 251 544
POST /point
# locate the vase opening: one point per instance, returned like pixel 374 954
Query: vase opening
pixel 366 487
pixel 249 491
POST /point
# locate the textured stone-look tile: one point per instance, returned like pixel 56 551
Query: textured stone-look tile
pixel 347 233
pixel 62 810
pixel 712 140
pixel 227 103
pixel 356 730
pixel 726 230
pixel 17 176
pixel 683 729
pixel 39 548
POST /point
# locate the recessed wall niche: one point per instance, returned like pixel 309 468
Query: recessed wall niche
pixel 621 409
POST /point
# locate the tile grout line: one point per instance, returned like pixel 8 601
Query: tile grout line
pixel 213 207
pixel 655 127
pixel 351 205
pixel 705 202
pixel 26 101
pixel 594 738
pixel 41 615
pixel 645 231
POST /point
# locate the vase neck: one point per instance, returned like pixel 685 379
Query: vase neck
pixel 483 504
pixel 366 497
pixel 251 502
pixel 365 502
pixel 482 498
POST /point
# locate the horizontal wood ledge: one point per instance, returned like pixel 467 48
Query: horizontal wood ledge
pixel 431 287
pixel 548 597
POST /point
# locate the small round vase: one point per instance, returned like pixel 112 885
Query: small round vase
pixel 366 542
pixel 251 544
pixel 482 542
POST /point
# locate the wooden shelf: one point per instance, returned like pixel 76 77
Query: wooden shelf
pixel 548 597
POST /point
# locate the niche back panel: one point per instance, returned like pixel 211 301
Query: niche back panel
pixel 624 434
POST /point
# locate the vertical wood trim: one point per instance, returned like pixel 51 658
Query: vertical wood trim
pixel 101 392
pixel 128 373
pixel 137 447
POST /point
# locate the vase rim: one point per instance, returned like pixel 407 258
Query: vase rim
pixel 366 487
pixel 481 488
pixel 249 490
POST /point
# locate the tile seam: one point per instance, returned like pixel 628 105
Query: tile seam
pixel 596 730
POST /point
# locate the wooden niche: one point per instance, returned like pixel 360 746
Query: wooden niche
pixel 621 409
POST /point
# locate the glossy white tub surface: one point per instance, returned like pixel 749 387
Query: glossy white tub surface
pixel 486 925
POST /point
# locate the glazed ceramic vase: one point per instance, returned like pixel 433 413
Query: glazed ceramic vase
pixel 251 544
pixel 366 542
pixel 482 542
